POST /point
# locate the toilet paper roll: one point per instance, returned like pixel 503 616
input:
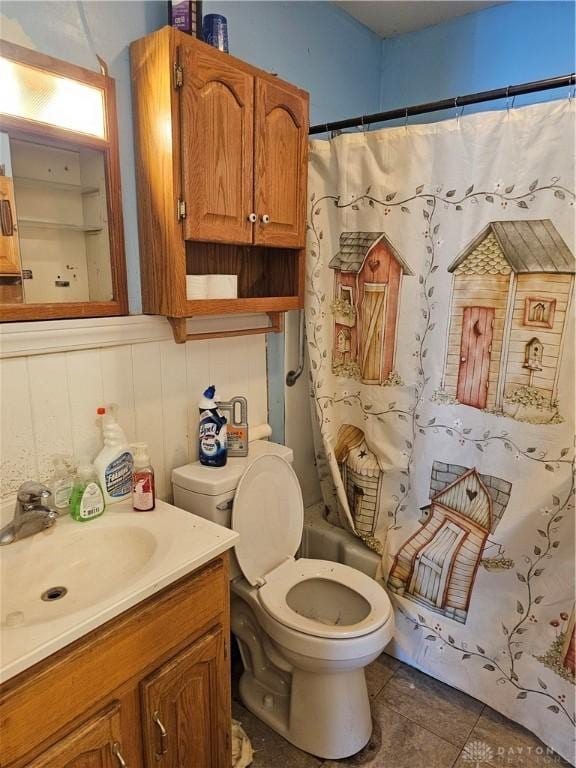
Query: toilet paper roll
pixel 259 432
pixel 196 286
pixel 222 286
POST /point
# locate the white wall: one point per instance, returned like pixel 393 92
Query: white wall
pixel 48 401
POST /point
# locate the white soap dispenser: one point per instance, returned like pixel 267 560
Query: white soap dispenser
pixel 114 463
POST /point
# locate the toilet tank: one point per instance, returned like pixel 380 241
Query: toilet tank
pixel 209 491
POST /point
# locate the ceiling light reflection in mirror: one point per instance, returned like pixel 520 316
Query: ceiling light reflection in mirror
pixel 34 94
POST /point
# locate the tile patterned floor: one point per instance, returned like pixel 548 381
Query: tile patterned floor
pixel 418 723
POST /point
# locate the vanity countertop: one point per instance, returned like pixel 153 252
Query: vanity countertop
pixel 106 565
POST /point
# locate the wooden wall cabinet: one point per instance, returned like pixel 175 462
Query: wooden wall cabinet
pixel 150 688
pixel 221 174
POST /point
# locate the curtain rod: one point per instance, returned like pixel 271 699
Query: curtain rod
pixel 459 101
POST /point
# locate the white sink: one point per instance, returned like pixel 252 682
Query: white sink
pixel 50 575
pixel 106 566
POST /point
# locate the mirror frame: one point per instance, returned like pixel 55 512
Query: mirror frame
pixel 22 128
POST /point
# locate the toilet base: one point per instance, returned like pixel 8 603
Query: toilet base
pixel 320 705
pixel 325 715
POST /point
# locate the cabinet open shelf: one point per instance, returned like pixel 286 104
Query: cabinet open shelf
pixel 25 222
pixel 57 186
pixel 241 306
pixel 266 274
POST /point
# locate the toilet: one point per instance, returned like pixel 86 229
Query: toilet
pixel 306 628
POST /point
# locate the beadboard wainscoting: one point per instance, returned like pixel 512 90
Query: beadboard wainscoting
pixel 49 393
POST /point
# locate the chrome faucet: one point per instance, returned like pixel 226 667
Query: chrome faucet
pixel 32 513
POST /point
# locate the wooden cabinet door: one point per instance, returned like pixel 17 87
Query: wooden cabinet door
pixel 9 244
pixel 217 126
pixel 281 156
pixel 96 744
pixel 186 708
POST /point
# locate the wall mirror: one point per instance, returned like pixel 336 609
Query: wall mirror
pixel 61 230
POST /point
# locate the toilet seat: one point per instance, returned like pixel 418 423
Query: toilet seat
pixel 268 513
pixel 319 598
pixel 274 596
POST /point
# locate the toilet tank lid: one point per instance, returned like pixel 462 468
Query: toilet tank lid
pixel 213 481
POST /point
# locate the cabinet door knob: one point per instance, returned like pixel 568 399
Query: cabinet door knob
pixel 265 219
pixel 118 755
pixel 163 735
pixel 463 359
pixel 252 218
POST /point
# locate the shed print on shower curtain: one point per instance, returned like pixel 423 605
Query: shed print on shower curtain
pixel 362 477
pixel 368 273
pixel 441 191
pixel 511 291
pixel 437 565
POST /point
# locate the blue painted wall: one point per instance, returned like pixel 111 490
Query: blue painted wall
pixel 312 44
pixel 326 52
pixel 504 45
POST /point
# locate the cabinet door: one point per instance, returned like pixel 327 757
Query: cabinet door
pixel 281 131
pixel 186 708
pixel 96 744
pixel 9 245
pixel 217 126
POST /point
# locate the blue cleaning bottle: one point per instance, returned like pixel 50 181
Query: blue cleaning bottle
pixel 213 443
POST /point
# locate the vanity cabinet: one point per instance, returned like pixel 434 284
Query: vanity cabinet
pixel 180 715
pixel 149 688
pixel 96 744
pixel 221 158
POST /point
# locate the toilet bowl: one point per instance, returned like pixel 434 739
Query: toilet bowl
pixel 306 628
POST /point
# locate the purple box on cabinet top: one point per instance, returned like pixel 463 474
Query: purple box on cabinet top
pixel 181 15
pixel 186 15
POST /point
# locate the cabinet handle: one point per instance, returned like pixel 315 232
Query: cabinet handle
pixel 265 219
pixel 6 220
pixel 118 755
pixel 163 735
pixel 252 218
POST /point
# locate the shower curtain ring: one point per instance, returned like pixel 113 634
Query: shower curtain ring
pixel 508 99
pixel 406 119
pixel 458 114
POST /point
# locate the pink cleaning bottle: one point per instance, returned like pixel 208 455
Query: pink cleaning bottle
pixel 143 492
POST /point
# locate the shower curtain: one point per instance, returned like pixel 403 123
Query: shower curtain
pixel 439 319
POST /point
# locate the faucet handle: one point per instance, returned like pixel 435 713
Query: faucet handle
pixel 32 493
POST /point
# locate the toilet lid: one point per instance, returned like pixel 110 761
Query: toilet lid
pixel 268 513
